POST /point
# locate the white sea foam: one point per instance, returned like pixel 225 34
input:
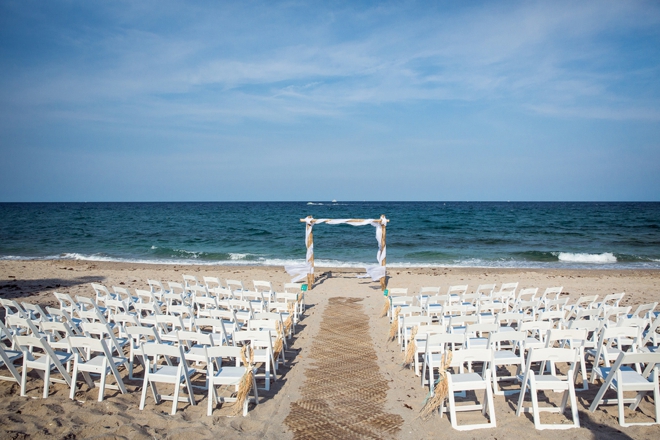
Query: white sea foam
pixel 604 258
pixel 233 256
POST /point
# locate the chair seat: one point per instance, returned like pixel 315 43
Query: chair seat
pixel 549 382
pixel 169 374
pixel 470 381
pixel 506 356
pixel 229 375
pixel 97 361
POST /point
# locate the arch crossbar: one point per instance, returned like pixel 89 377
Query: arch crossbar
pixel 306 270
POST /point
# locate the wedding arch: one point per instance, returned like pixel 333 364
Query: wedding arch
pixel 306 270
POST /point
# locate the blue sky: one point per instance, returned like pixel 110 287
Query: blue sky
pixel 310 101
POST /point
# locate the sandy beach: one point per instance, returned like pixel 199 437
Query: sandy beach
pixel 118 415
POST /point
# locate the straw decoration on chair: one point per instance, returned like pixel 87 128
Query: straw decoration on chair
pixel 386 307
pixel 412 348
pixel 245 386
pixel 441 389
pixel 288 322
pixel 395 324
pixel 279 343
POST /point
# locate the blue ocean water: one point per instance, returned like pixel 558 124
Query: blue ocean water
pixel 480 234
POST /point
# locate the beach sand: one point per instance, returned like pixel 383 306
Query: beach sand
pixel 118 415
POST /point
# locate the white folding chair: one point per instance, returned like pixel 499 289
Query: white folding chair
pixel 93 356
pixel 507 356
pixel 611 342
pixel 219 373
pixel 534 383
pixel 45 360
pixel 177 373
pixel 139 335
pixel 621 378
pixel 471 381
pixel 435 347
pixel 8 358
pixel 261 343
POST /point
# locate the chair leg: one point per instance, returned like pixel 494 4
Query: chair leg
pixel 209 409
pixel 74 376
pixel 491 405
pixel 23 378
pixel 104 378
pixel 175 400
pixel 574 409
pixel 620 405
pixel 535 404
pixel 47 379
pixel 145 385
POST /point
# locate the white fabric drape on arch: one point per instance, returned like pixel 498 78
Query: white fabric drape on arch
pixel 300 270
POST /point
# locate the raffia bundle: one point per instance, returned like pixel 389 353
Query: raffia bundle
pixel 288 322
pixel 279 343
pixel 441 389
pixel 245 386
pixel 395 324
pixel 412 348
pixel 386 307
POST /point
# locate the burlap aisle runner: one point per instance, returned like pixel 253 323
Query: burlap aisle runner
pixel 344 393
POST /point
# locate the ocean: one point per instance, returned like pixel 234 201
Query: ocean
pixel 420 234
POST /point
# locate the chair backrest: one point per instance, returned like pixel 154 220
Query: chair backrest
pixel 497 337
pixel 644 310
pixel 190 338
pixel 615 313
pixel 457 290
pixel 438 299
pixel 590 314
pixel 213 324
pixel 429 291
pixel 460 357
pixel 123 294
pixel 551 293
pixel 156 287
pixel 485 289
pixel 223 352
pixel 395 291
pixel 155 350
pixel 235 285
pixel 613 299
pixel 139 334
pixel 145 296
pixel 507 318
pixel 212 282
pixel 574 337
pixel 263 286
pixel 12 307
pixel 34 311
pixel 609 336
pixel 57 330
pixel 16 322
pixel 89 345
pixel 101 292
pixel 190 280
pixel 528 294
pixel 176 287
pixel 552 354
pixel 66 302
pixel 198 290
pixel 509 288
pixel 439 341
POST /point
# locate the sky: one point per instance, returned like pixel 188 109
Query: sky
pixel 313 101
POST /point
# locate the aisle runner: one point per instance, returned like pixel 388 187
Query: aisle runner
pixel 344 393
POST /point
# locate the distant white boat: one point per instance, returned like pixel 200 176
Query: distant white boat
pixel 334 201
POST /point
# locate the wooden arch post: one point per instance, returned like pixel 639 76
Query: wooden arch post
pixel 310 244
pixel 383 221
